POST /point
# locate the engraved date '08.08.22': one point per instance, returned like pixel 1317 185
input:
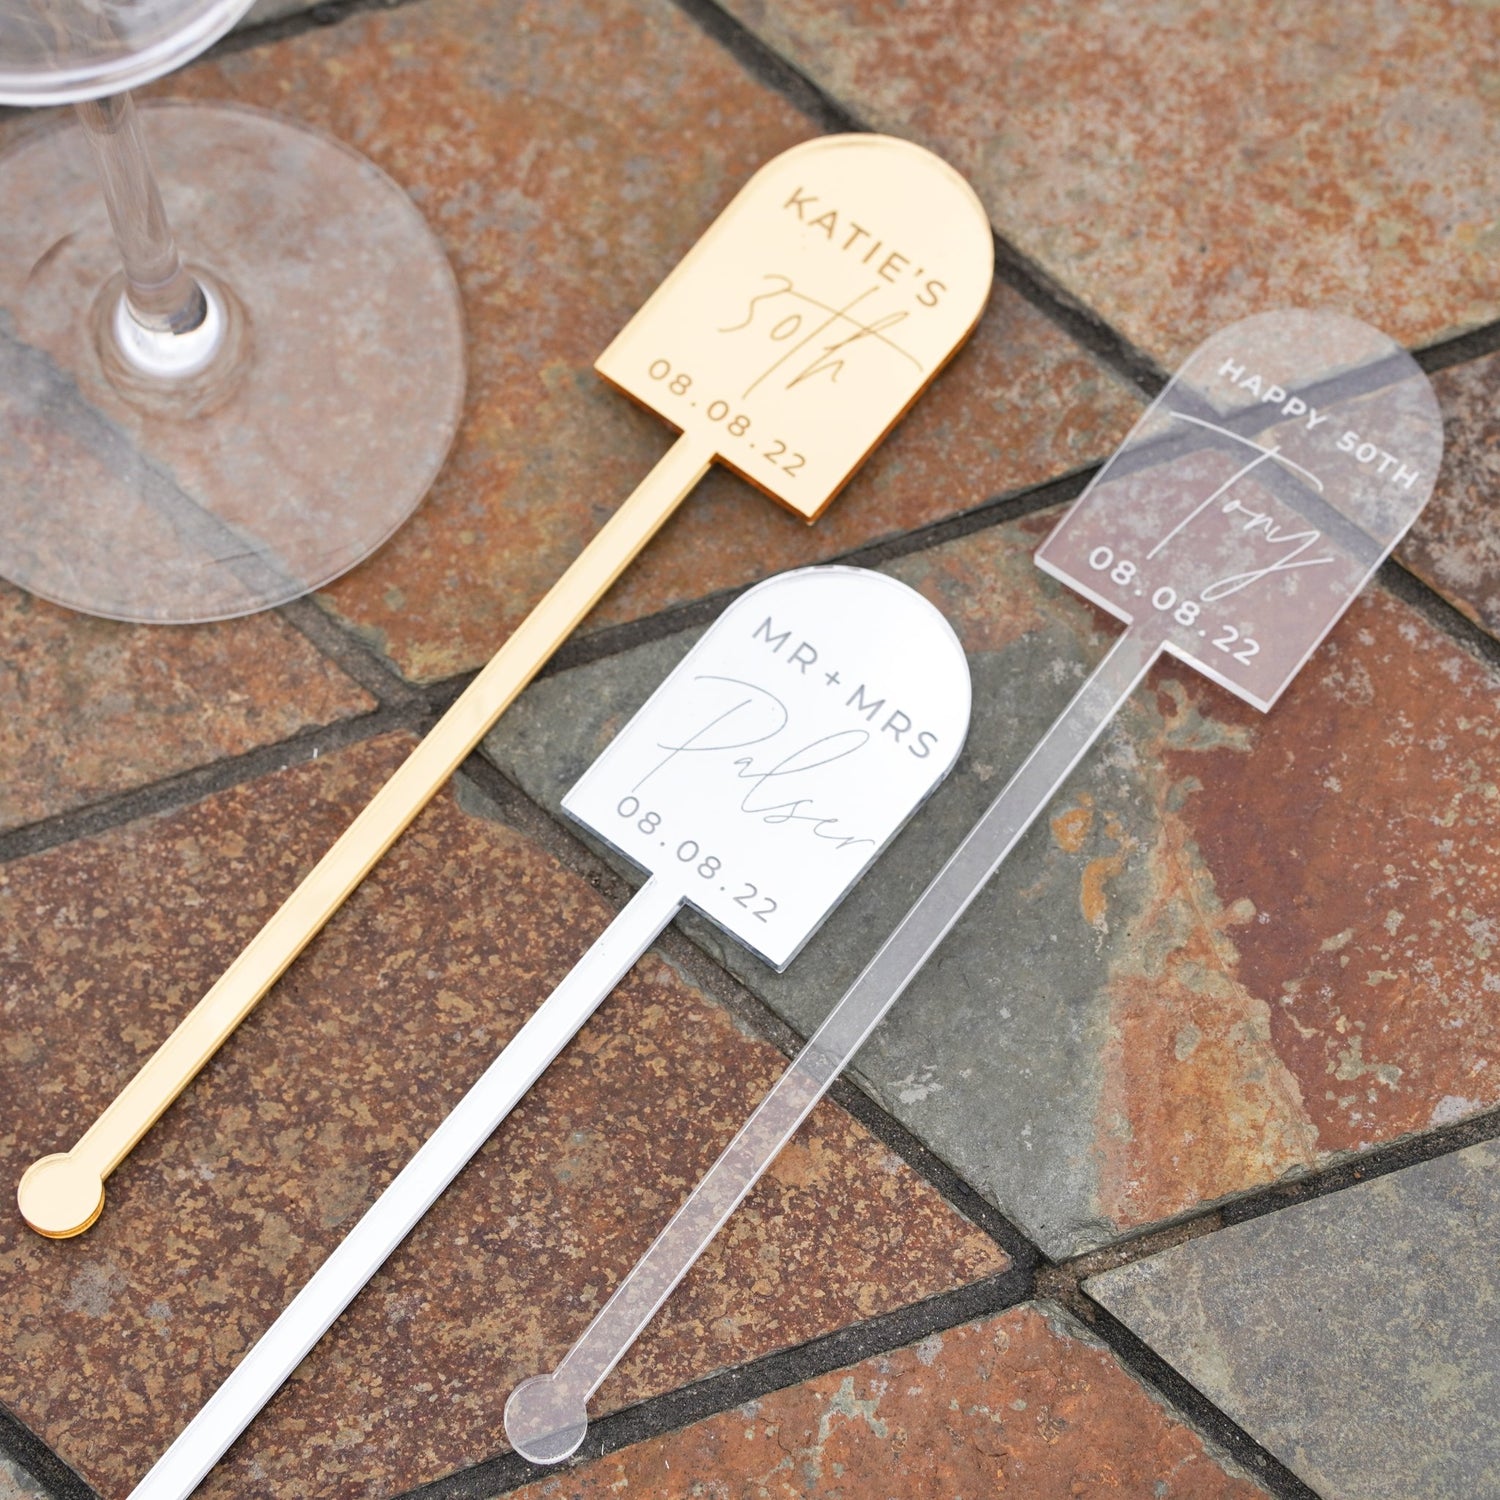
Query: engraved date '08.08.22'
pixel 811 340
pixel 690 855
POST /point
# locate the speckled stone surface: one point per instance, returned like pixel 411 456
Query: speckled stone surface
pixel 1177 164
pixel 1356 1336
pixel 111 1341
pixel 1149 1009
pixel 564 186
pixel 1023 1404
pixel 1455 545
pixel 90 707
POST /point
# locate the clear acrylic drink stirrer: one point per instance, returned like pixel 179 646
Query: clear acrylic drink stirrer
pixel 1232 528
pixel 757 784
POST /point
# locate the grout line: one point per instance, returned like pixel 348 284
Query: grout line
pixel 1446 353
pixel 614 640
pixel 187 787
pixel 40 1464
pixel 1026 1258
pixel 1411 588
pixel 550 834
pixel 343 646
pixel 1012 266
pixel 1063 1282
pixel 765 65
pixel 1080 322
pixel 716 1394
pixel 1351 1171
pixel 1187 1401
pixel 1058 1279
pixel 982 517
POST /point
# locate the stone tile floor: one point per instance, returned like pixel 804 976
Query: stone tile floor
pixel 1173 1176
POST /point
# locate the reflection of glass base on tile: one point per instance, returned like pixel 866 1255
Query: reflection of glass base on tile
pixel 244 486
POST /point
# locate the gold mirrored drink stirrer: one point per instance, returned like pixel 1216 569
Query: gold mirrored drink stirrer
pixel 812 313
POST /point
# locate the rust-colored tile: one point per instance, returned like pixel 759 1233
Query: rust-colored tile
pixel 568 154
pixel 1313 968
pixel 111 1341
pixel 1019 1405
pixel 1455 544
pixel 1177 164
pixel 1276 932
pixel 90 707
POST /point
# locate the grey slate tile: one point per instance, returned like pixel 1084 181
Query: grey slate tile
pixel 1356 1336
pixel 1225 954
pixel 999 1041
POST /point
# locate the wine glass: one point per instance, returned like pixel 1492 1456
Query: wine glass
pixel 196 433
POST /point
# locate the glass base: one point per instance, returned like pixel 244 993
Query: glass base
pixel 291 456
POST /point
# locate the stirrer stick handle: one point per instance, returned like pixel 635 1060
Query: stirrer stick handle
pixel 393 1215
pixel 62 1195
pixel 545 1418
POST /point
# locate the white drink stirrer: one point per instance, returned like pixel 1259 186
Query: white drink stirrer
pixel 757 785
pixel 1233 527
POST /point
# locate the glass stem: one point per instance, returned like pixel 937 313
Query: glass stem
pixel 159 293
